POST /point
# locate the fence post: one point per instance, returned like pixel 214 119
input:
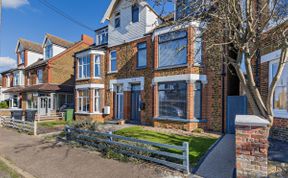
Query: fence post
pixel 13 123
pixel 35 128
pixel 110 138
pixel 1 121
pixel 186 157
pixel 67 133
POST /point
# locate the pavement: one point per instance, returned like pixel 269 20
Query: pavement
pixel 44 159
pixel 220 161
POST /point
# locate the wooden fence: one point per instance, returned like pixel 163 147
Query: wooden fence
pixel 23 126
pixel 155 152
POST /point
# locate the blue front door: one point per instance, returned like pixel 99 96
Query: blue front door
pixel 135 104
pixel 236 105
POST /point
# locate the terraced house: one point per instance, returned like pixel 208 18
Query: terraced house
pixel 143 70
pixel 44 80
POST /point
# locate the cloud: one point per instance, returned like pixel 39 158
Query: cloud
pixel 7 63
pixel 14 3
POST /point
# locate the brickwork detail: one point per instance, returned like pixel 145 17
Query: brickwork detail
pixel 252 151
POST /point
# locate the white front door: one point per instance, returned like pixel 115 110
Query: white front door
pixel 45 106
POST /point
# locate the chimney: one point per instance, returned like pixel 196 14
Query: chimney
pixel 87 39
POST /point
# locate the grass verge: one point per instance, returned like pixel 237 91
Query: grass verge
pixel 198 145
pixel 6 171
pixel 51 124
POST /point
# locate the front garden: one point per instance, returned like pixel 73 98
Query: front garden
pixel 198 143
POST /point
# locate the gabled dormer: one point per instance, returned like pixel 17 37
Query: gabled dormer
pixel 53 46
pixel 129 20
pixel 27 52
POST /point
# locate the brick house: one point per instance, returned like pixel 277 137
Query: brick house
pixel 270 54
pixel 145 71
pixel 47 83
pixel 13 81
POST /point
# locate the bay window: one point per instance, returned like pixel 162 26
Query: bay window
pixel 97 104
pixel 280 100
pixel 8 82
pixel 84 67
pixel 172 49
pixel 32 101
pixel 142 55
pixel 113 61
pixel 173 99
pixel 97 69
pixel 83 100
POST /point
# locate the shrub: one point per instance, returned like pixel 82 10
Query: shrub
pixel 198 130
pixel 3 105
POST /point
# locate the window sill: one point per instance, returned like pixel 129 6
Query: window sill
pixel 198 65
pixel 281 114
pixel 179 120
pixel 89 113
pixel 141 68
pixel 112 72
pixel 172 67
pixel 81 79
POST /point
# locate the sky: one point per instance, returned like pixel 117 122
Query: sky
pixel 30 19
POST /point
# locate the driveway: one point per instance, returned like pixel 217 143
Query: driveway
pixel 49 160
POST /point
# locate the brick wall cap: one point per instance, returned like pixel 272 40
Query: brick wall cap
pixel 250 120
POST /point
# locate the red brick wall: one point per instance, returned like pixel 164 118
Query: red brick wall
pixel 252 151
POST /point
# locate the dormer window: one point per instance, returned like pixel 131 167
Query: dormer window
pixel 135 13
pixel 48 51
pixel 117 20
pixel 102 36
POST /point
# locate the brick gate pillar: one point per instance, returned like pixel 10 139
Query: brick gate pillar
pixel 251 134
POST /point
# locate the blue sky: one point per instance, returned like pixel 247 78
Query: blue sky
pixel 30 19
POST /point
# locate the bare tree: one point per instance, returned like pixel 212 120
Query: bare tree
pixel 239 25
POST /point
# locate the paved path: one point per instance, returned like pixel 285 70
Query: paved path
pixel 220 162
pixel 49 160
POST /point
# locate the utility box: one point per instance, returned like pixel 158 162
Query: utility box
pixel 106 110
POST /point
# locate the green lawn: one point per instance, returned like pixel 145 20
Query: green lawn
pixel 198 145
pixel 6 171
pixel 50 124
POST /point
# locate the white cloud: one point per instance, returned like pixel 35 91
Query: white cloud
pixel 14 3
pixel 7 63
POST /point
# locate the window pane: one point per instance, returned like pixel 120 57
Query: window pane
pixel 135 13
pixel 173 53
pixel 117 22
pixel 281 90
pixel 197 100
pixel 142 58
pixel 113 65
pixel 173 99
pixel 113 54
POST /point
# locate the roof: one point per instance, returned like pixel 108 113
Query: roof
pixel 113 5
pixel 38 63
pixel 93 47
pixel 101 28
pixel 58 41
pixel 46 87
pixel 14 90
pixel 30 46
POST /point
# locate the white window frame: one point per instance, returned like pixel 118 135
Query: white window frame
pixel 22 57
pixel 112 59
pixel 81 99
pixel 38 81
pixel 8 82
pixel 117 16
pixel 97 62
pixel 96 101
pixel 50 51
pixel 277 112
pixel 82 67
pixel 101 35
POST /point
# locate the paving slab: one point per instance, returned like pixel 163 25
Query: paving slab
pixel 220 161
